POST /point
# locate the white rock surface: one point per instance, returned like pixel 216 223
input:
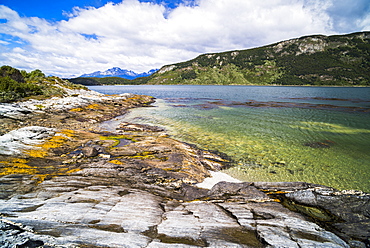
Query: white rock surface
pixel 216 177
pixel 14 142
pixel 75 98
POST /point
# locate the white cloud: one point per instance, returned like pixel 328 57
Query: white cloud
pixel 4 42
pixel 142 36
pixel 365 23
pixel 347 15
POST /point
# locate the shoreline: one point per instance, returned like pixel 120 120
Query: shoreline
pixel 254 85
pixel 75 185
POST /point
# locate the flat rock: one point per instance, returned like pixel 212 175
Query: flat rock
pixel 97 210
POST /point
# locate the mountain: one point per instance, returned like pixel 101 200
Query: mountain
pixel 118 72
pixel 309 60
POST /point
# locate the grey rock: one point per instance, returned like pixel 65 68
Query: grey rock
pixel 13 112
pixel 286 186
pixel 356 244
pixel 348 214
pixel 125 126
pixel 244 191
pixel 90 151
pixel 16 235
pixel 131 205
pixel 307 197
pixel 125 151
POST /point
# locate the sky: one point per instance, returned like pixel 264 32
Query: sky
pixel 68 38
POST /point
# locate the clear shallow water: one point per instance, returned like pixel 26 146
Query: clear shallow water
pixel 313 134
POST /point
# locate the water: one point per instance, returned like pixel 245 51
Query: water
pixel 312 134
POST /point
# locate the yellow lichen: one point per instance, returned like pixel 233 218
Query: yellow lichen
pixel 136 97
pixel 20 166
pixel 276 192
pixel 115 161
pixel 41 150
pixel 37 153
pixel 41 178
pixel 73 170
pixel 93 106
pixel 68 133
pixel 77 110
pixel 16 166
pixel 19 160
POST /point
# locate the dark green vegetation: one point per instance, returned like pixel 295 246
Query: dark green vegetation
pixel 16 85
pixel 100 81
pixel 312 60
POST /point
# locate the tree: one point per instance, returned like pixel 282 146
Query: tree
pixel 8 71
pixel 36 74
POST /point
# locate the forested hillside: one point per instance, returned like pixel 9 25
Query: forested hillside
pixel 100 81
pixel 310 60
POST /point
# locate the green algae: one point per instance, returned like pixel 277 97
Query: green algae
pixel 117 139
pixel 330 127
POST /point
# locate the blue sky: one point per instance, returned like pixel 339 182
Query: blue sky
pixel 53 10
pixel 69 38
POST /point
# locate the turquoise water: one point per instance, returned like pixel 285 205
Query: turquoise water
pixel 313 134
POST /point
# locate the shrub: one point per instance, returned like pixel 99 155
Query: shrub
pixel 11 90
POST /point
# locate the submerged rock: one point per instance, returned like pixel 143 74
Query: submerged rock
pixel 125 126
pixel 320 144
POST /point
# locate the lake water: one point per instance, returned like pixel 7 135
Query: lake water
pixel 312 134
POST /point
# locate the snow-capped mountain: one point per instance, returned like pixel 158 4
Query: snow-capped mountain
pixel 118 72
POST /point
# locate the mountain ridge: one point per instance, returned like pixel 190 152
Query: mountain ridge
pixel 118 72
pixel 342 60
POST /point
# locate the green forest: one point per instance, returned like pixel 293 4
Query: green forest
pixel 101 81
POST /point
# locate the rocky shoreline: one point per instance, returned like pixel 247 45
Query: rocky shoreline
pixel 66 182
